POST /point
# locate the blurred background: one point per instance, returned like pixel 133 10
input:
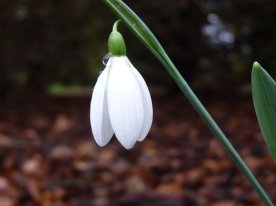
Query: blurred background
pixel 50 56
pixel 50 45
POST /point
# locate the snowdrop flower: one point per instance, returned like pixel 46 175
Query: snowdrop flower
pixel 121 101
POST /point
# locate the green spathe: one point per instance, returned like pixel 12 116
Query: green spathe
pixel 116 42
pixel 264 98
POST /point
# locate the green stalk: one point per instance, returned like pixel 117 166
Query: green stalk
pixel 138 27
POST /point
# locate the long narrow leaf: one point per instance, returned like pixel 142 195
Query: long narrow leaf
pixel 264 98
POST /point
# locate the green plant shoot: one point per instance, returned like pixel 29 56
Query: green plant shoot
pixel 264 98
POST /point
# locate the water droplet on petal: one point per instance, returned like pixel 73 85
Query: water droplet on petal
pixel 106 58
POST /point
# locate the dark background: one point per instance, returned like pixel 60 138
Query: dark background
pixel 48 44
pixel 50 56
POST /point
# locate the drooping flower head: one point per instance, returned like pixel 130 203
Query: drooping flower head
pixel 121 101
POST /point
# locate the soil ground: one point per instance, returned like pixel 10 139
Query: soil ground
pixel 48 156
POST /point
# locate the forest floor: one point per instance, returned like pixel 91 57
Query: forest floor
pixel 48 156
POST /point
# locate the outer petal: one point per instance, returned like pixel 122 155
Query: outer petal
pixel 147 103
pixel 99 116
pixel 125 102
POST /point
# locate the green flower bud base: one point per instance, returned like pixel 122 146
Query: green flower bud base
pixel 116 42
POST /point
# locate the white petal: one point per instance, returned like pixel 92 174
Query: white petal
pixel 99 116
pixel 147 103
pixel 125 102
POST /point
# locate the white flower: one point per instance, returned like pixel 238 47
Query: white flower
pixel 120 104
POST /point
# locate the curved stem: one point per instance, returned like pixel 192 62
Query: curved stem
pixel 185 88
pixel 143 33
pixel 115 25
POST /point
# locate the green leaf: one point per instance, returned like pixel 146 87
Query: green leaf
pixel 264 98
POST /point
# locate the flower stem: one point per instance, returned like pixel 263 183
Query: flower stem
pixel 115 25
pixel 143 33
pixel 185 88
